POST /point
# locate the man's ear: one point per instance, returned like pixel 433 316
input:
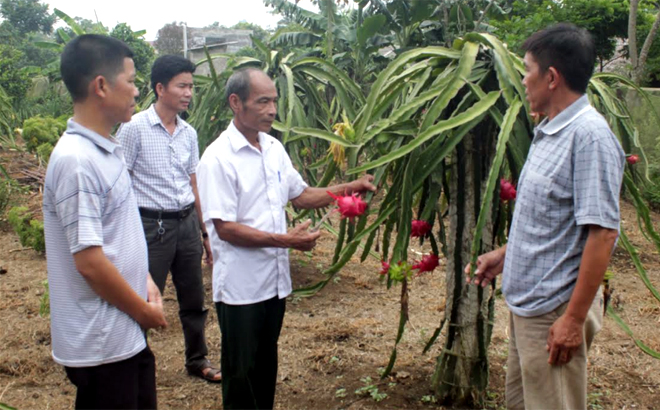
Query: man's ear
pixel 235 103
pixel 160 88
pixel 99 86
pixel 555 79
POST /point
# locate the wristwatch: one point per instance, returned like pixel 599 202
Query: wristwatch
pixel 205 235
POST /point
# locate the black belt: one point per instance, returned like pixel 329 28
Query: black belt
pixel 155 214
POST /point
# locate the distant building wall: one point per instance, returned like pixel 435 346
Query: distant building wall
pixel 217 41
pixel 197 54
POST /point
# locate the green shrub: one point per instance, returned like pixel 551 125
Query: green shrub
pixel 651 191
pixel 43 152
pixel 44 302
pixel 40 130
pixel 30 231
pixel 5 194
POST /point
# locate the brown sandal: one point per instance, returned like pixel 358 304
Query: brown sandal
pixel 209 376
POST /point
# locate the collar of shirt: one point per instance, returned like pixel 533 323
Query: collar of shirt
pixel 561 121
pixel 239 141
pixel 154 120
pixel 107 144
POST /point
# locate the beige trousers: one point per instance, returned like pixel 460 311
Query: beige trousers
pixel 533 384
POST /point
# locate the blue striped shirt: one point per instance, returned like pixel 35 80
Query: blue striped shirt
pixel 571 179
pixel 89 201
pixel 160 163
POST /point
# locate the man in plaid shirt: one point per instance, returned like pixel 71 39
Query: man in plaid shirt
pixel 161 154
pixel 564 227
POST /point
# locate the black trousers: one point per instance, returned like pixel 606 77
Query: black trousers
pixel 249 352
pixel 128 384
pixel 179 250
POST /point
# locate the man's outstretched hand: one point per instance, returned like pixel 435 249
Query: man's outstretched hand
pixel 365 183
pixel 489 265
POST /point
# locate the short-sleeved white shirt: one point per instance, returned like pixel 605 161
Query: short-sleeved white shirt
pixel 239 183
pixel 89 201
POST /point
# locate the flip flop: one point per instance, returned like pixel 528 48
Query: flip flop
pixel 210 375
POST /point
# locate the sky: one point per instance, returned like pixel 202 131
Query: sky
pixel 151 15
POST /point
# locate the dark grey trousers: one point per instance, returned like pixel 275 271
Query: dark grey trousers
pixel 179 251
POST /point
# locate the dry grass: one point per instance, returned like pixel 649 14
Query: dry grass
pixel 332 341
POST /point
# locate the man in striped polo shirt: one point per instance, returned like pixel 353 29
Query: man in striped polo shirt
pixel 161 153
pixel 564 227
pixel 101 295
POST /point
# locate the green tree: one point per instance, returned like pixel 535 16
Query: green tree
pixel 258 32
pixel 606 20
pixel 86 25
pixel 640 58
pixel 169 39
pixel 15 82
pixel 27 16
pixel 143 53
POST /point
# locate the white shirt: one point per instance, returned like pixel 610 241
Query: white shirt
pixel 88 201
pixel 239 183
pixel 160 162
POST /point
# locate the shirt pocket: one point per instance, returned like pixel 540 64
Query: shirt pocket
pixel 534 196
pixel 283 186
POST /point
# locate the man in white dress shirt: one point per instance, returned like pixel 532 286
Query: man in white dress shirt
pixel 245 179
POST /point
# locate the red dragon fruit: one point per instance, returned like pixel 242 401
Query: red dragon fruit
pixel 349 205
pixel 385 269
pixel 428 263
pixel 419 229
pixel 507 190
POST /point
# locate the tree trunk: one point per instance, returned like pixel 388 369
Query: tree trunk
pixel 632 32
pixel 640 67
pixel 329 37
pixel 461 374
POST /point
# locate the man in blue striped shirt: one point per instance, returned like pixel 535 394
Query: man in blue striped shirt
pixel 564 227
pixel 161 153
pixel 101 295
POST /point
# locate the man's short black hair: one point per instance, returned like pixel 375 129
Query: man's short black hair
pixel 567 48
pixel 167 67
pixel 239 83
pixel 88 56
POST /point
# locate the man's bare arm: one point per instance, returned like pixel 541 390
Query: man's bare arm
pixel 312 197
pixel 198 207
pixel 242 235
pixel 104 278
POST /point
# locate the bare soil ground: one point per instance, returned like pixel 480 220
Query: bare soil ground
pixel 331 343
